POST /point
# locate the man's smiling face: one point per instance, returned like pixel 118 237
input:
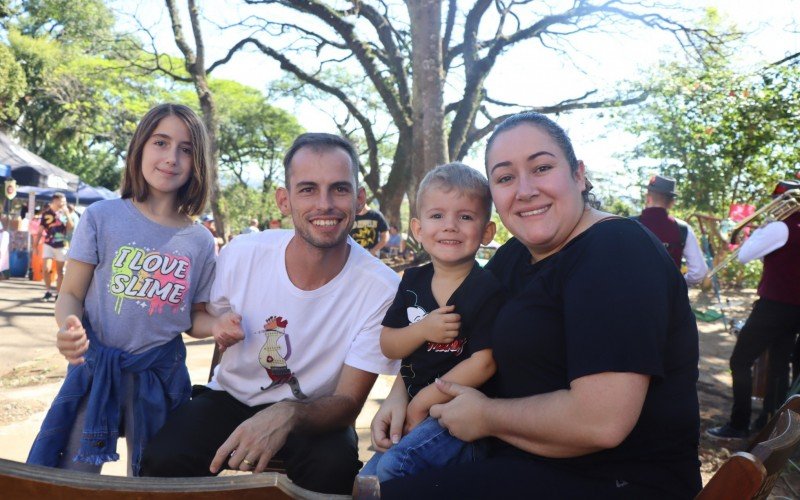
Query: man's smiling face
pixel 321 195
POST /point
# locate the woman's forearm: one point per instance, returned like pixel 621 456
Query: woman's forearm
pixel 597 412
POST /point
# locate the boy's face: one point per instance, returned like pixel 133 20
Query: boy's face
pixel 451 225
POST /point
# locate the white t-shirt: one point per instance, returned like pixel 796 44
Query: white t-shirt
pixel 297 341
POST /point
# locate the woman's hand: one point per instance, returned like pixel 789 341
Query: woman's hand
pixel 463 416
pixel 71 340
pixel 387 425
pixel 227 330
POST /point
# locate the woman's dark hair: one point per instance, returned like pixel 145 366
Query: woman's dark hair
pixel 552 129
pixel 193 195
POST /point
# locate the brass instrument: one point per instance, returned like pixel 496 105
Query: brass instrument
pixel 780 208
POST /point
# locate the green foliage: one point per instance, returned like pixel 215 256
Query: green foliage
pixel 252 133
pixel 244 203
pixel 725 136
pixel 84 24
pixel 617 206
pixel 12 84
pixel 502 235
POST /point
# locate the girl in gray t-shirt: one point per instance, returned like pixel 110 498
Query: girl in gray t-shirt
pixel 137 269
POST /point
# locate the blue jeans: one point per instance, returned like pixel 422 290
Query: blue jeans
pixel 427 446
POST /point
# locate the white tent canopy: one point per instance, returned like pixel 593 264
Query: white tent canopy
pixel 31 170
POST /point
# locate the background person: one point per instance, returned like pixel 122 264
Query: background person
pixel 299 315
pixel 773 323
pixel 395 245
pixel 589 402
pixel 72 222
pixel 53 227
pixel 677 235
pixel 252 228
pixel 370 230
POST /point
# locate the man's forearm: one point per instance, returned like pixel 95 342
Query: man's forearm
pixel 322 415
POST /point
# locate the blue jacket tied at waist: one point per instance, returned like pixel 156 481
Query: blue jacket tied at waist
pixel 161 384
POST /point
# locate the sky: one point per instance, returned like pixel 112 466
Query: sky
pixel 596 61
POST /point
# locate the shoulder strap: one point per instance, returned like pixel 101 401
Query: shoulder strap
pixel 683 227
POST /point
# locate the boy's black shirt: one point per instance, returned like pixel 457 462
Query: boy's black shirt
pixel 477 300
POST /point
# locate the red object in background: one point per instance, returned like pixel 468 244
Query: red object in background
pixel 740 211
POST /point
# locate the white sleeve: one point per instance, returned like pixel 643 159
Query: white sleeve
pixel 695 261
pixel 365 351
pixel 763 241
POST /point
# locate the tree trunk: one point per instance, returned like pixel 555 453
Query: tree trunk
pixel 392 193
pixel 211 121
pixel 427 138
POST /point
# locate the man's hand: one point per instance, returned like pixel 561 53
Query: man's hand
pixel 72 341
pixel 227 330
pixel 387 425
pixel 442 325
pixel 251 446
pixel 463 416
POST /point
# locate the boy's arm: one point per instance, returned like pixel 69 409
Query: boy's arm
pixel 440 326
pixel 472 372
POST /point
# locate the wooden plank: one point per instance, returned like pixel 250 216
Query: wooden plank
pixel 22 481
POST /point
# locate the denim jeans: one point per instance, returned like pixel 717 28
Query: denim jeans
pixel 427 446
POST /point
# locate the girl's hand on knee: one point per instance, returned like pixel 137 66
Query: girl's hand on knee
pixel 72 341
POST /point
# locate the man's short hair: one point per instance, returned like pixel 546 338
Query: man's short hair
pixel 59 195
pixel 320 141
pixel 461 177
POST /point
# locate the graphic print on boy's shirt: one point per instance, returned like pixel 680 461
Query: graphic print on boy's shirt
pixel 149 278
pixel 417 313
pixel 273 360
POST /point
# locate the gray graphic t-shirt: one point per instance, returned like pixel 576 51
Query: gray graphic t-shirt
pixel 146 276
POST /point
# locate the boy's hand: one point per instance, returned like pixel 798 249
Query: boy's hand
pixel 227 330
pixel 442 325
pixel 72 341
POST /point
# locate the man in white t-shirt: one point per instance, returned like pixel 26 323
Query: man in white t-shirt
pixel 299 317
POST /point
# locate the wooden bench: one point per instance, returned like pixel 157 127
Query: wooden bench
pixel 22 481
pixel 747 476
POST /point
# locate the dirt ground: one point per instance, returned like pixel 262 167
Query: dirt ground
pixel 714 384
pixel 27 381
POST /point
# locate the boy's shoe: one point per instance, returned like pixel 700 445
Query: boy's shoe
pixel 47 296
pixel 727 432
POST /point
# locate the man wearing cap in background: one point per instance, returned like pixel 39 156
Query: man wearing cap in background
pixel 773 323
pixel 677 235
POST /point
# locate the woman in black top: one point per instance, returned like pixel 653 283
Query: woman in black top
pixel 596 348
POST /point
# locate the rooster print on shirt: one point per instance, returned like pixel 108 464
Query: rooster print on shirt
pixel 274 356
pixel 152 280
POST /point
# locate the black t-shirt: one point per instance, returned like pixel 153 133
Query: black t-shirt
pixel 477 300
pixel 611 300
pixel 368 227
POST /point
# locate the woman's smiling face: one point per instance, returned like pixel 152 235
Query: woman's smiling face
pixel 533 188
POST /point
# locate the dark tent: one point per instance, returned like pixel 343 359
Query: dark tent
pixel 31 170
pixel 86 195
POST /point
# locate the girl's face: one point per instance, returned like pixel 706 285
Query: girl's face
pixel 167 157
pixel 536 195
